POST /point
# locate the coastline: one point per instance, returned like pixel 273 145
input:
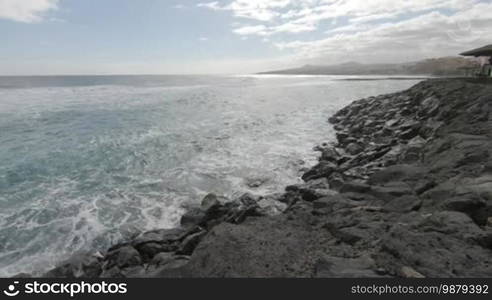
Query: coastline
pixel 406 191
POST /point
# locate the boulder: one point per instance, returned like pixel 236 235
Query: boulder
pixel 322 170
pixel 192 217
pixel 393 173
pixel 260 247
pixel 122 257
pixel 80 265
pixel 210 201
pixel 404 204
pixel 333 203
pixel 161 236
pixel 444 244
pixel 166 265
pixel 355 187
pixel 189 244
pixel 353 148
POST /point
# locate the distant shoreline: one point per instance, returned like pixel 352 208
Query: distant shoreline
pixel 444 66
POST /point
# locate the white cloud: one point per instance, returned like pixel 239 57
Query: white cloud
pixel 297 16
pixel 211 5
pixel 203 39
pixel 261 10
pixel 27 11
pixel 370 30
pixel 429 35
pixel 251 30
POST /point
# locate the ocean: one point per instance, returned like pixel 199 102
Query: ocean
pixel 86 161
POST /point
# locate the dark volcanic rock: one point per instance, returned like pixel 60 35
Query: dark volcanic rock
pixel 126 256
pixel 442 245
pixel 321 170
pixel 209 202
pixel 190 242
pixel 83 265
pixel 193 217
pixel 264 247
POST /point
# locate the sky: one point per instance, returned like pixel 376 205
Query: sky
pixel 46 37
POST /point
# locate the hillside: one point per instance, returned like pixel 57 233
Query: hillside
pixel 445 66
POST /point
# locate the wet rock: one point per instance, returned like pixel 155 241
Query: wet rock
pixel 248 200
pixel 81 265
pixel 126 256
pixel 391 190
pixel 333 203
pixel 354 149
pixel 394 173
pixel 330 154
pixel 162 259
pixel 468 204
pixel 423 185
pixel 312 190
pixel 193 217
pixel 404 204
pixel 348 235
pixel 322 170
pixel 168 266
pixel 392 122
pixel 176 261
pixel 209 202
pixel 409 133
pixel 161 236
pixel 271 205
pixel 342 137
pixel 335 181
pixel 429 107
pixel 355 187
pixel 149 250
pixel 189 244
pixel 412 152
pixel 360 196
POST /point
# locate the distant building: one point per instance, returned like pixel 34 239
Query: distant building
pixel 486 63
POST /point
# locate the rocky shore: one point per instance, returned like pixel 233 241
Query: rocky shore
pixel 406 191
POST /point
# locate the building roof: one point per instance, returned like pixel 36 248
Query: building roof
pixel 483 51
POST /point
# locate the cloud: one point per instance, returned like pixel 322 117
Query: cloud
pixel 203 39
pixel 26 11
pixel 428 35
pixel 211 5
pixel 251 30
pixel 371 30
pixel 298 16
pixel 261 10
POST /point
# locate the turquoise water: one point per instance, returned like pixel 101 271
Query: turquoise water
pixel 86 161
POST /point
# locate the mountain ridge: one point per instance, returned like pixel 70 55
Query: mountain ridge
pixel 443 66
